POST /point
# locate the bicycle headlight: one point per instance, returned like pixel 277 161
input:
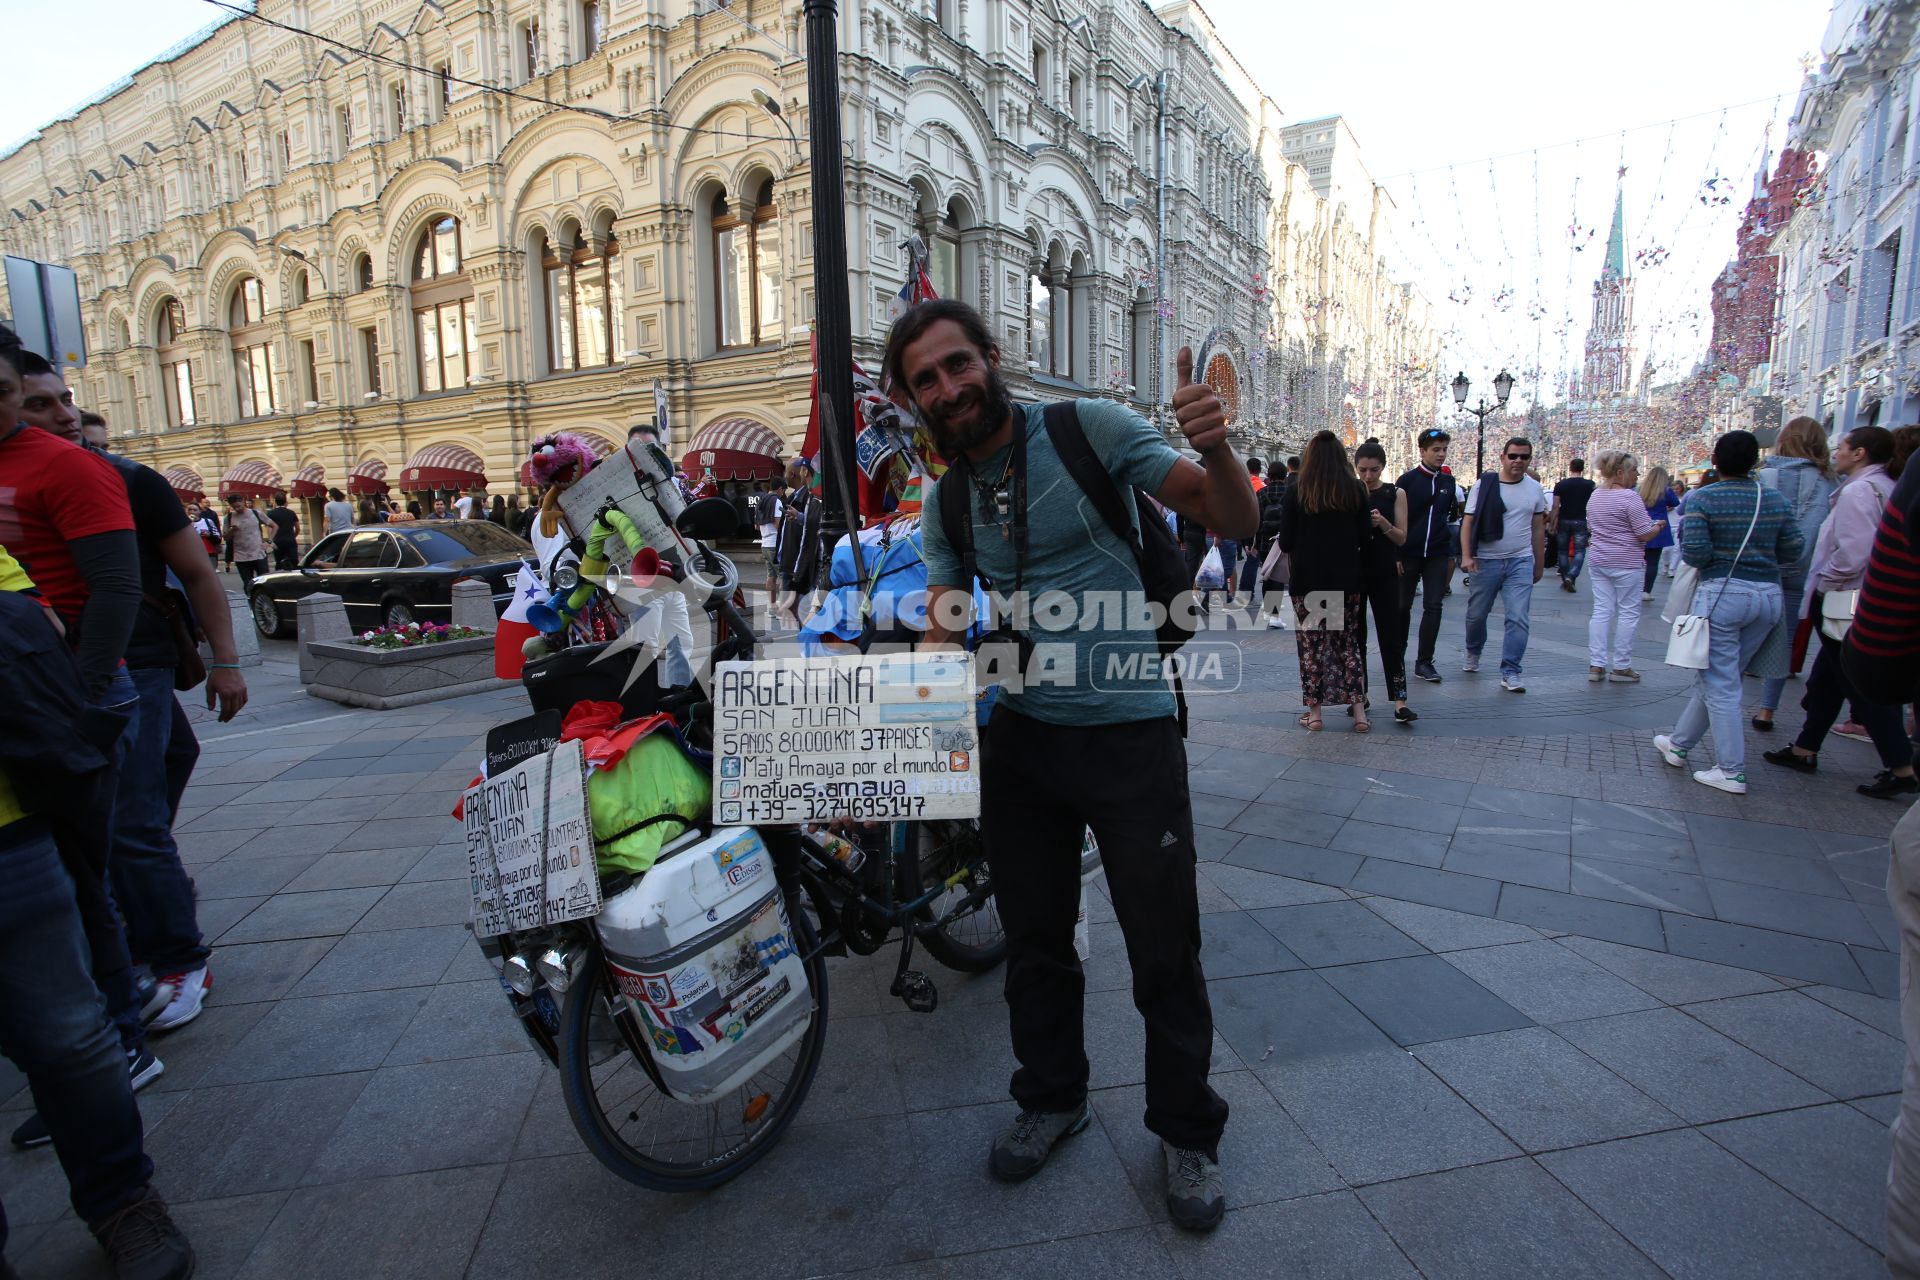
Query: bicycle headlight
pixel 566 578
pixel 519 974
pixel 556 964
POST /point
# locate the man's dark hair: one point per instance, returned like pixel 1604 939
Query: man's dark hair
pixel 1877 441
pixel 914 323
pixel 643 428
pixel 1735 453
pixel 336 495
pixel 1433 435
pixel 279 498
pixel 1522 441
pixel 1293 463
pixel 28 364
pixel 1577 465
pixel 1253 466
pixel 88 418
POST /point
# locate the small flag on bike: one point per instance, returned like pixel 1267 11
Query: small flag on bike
pixel 508 657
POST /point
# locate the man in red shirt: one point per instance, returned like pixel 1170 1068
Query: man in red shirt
pixel 51 1024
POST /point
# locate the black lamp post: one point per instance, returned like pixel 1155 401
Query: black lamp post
pixel 1502 388
pixel 833 316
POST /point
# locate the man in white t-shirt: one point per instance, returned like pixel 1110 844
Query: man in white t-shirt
pixel 1502 547
pixel 767 509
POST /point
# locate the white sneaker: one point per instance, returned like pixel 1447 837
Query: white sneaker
pixel 1733 783
pixel 1471 665
pixel 1512 684
pixel 1276 623
pixel 1675 756
pixel 189 994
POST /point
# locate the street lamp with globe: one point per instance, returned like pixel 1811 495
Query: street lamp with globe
pixel 1502 388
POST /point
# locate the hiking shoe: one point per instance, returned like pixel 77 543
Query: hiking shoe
pixel 1720 780
pixel 1675 756
pixel 1195 1199
pixel 1624 675
pixel 1566 584
pixel 1787 757
pixel 189 996
pixel 142 1241
pixel 1512 683
pixel 1887 784
pixel 1023 1146
pixel 143 1069
pixel 1471 664
pixel 1426 671
pixel 1596 674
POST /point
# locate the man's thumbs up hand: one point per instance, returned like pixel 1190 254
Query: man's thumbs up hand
pixel 1202 418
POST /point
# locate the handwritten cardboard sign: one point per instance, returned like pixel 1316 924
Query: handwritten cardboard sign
pixel 871 737
pixel 530 845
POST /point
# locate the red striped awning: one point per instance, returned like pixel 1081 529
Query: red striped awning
pixel 250 479
pixel 187 483
pixel 309 482
pixel 369 478
pixel 443 466
pixel 729 464
pixel 738 435
pixel 601 448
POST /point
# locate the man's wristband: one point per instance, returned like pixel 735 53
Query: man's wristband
pixel 223 666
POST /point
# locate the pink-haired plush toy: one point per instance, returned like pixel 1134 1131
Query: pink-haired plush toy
pixel 560 459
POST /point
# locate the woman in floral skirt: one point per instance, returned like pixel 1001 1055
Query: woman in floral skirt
pixel 1325 522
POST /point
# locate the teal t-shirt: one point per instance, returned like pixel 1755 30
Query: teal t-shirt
pixel 1094 649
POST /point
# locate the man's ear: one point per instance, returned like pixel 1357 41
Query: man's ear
pixel 993 355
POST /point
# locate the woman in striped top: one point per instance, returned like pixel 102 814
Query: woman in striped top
pixel 1738 534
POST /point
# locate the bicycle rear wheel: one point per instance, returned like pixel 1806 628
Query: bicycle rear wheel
pixel 974 941
pixel 653 1140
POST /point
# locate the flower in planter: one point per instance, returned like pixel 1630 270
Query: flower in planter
pixel 413 634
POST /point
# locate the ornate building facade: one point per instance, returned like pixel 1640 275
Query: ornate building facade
pixel 395 242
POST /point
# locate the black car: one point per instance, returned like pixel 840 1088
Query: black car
pixel 392 574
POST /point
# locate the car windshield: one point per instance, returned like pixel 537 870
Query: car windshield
pixel 458 539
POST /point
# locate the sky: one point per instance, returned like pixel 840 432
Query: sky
pixel 1434 93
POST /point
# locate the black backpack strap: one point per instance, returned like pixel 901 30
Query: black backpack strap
pixel 956 516
pixel 1077 456
pixel 1063 428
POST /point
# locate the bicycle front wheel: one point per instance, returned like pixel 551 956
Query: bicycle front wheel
pixel 973 941
pixel 653 1140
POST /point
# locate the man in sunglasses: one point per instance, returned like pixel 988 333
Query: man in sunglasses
pixel 1503 547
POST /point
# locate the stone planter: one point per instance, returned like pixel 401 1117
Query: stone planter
pixel 385 678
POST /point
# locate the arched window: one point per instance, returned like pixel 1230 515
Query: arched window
pixel 254 365
pixel 176 372
pixel 442 309
pixel 362 272
pixel 302 289
pixel 584 302
pixel 1039 322
pixel 749 283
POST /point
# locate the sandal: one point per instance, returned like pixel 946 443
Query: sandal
pixel 1362 725
pixel 1312 722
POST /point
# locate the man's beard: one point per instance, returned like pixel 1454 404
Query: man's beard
pixel 994 403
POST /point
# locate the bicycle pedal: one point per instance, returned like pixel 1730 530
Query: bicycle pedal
pixel 917 990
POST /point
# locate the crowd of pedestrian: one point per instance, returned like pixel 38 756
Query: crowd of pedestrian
pixel 107 588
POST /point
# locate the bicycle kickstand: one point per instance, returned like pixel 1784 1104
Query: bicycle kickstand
pixel 911 985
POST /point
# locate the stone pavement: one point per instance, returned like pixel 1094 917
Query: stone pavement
pixel 1498 995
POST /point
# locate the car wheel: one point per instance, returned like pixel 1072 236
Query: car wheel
pixel 266 616
pixel 398 613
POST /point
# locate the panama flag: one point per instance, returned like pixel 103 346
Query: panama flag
pixel 508 658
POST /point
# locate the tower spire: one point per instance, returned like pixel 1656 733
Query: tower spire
pixel 1615 266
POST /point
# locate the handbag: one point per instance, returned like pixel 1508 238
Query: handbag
pixel 1836 613
pixel 1273 569
pixel 189 668
pixel 1686 583
pixel 1688 643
